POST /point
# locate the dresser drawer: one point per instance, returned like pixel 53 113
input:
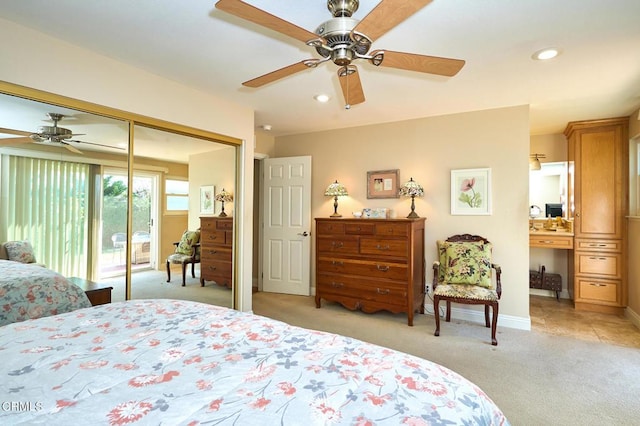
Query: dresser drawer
pixel 604 264
pixel 329 227
pixel 382 247
pixel 551 241
pixel 213 237
pixel 215 267
pixel 360 228
pixel 331 244
pixel 599 245
pixel 598 290
pixel 388 270
pixel 212 252
pixel 378 291
pixel 392 229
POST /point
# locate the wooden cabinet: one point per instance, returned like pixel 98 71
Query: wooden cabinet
pixel 216 250
pixel 542 240
pixel 598 204
pixel 371 264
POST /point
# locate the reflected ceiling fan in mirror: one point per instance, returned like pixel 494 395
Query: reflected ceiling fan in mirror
pixel 51 134
pixel 344 39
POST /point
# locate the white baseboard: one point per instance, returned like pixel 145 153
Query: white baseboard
pixel 475 316
pixel 633 316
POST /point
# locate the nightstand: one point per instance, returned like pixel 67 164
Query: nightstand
pixel 98 294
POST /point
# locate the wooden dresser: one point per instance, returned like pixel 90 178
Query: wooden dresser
pixel 216 248
pixel 371 264
pixel 598 152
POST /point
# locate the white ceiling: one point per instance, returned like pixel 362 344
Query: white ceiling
pixel 596 76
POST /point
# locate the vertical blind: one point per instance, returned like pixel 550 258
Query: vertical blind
pixel 46 203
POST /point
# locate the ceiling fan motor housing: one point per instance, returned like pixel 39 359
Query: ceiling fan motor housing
pixel 337 33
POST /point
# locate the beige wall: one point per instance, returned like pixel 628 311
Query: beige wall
pixel 82 74
pixel 427 150
pixel 265 143
pixel 554 147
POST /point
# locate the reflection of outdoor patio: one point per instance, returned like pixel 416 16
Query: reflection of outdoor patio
pixel 112 262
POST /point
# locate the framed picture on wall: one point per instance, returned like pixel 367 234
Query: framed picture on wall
pixel 471 192
pixel 206 199
pixel 383 184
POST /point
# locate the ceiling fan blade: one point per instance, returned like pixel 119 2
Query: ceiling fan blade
pixel 14 141
pixel 420 63
pixel 14 132
pixel 281 73
pixel 97 144
pixel 386 15
pixel 71 148
pixel 258 16
pixel 351 86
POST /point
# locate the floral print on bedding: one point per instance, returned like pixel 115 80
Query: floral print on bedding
pixel 186 363
pixel 30 291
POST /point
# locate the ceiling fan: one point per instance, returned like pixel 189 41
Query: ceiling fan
pixel 343 39
pixel 53 134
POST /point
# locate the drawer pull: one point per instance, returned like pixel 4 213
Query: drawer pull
pixel 212 268
pixel 597 285
pixel 338 244
pixel 383 268
pixel 213 237
pixel 597 258
pixel 213 251
pixel 336 285
pixel 381 247
pixel 597 245
pixel 382 291
pixel 337 263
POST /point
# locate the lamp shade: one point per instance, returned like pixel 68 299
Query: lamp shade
pixel 411 188
pixel 335 189
pixel 224 196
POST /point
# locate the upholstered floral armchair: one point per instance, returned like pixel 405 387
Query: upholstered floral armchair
pixel 187 252
pixel 463 274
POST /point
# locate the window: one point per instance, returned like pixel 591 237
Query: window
pixel 177 193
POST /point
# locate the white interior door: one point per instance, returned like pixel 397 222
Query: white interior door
pixel 287 225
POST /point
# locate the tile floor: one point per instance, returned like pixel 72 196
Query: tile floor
pixel 560 318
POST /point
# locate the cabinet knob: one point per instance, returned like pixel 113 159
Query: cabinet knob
pixel 382 291
pixel 383 268
pixel 381 247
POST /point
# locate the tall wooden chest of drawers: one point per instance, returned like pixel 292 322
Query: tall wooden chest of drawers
pixel 216 247
pixel 371 264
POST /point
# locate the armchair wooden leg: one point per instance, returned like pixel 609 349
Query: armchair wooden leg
pixel 486 316
pixel 448 318
pixel 184 274
pixel 494 325
pixel 168 272
pixel 193 270
pixel 436 313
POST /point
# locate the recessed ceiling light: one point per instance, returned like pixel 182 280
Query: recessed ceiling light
pixel 321 98
pixel 545 54
pixel 266 127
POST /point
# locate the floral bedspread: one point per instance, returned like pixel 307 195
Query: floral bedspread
pixel 32 291
pixel 178 362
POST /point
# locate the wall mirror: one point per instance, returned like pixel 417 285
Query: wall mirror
pixel 70 192
pixel 548 187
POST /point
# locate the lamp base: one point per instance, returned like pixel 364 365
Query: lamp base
pixel 413 215
pixel 222 214
pixel 336 215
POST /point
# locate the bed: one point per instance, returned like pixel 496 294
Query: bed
pixel 31 291
pixel 181 362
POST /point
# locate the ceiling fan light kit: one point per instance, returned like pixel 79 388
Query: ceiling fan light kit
pixel 344 39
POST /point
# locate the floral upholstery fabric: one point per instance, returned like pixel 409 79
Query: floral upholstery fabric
pixel 465 263
pixel 20 251
pixel 179 258
pixel 465 291
pixel 188 240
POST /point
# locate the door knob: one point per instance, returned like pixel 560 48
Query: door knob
pixel 304 234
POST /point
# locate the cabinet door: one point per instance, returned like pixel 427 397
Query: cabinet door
pixel 599 182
